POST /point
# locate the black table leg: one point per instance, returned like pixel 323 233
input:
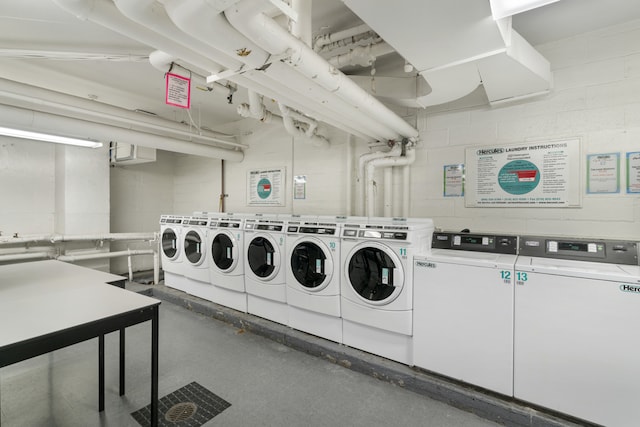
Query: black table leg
pixel 154 366
pixel 101 372
pixel 122 362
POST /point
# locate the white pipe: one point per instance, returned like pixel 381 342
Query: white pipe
pixel 162 61
pixel 301 27
pixel 361 178
pixel 406 190
pixel 44 122
pixel 57 238
pixel 388 192
pixel 48 101
pixel 361 55
pixel 349 175
pixel 25 256
pixel 391 156
pixel 206 24
pixel 156 266
pixel 278 81
pixel 296 131
pixel 326 39
pixel 248 18
pixel 106 14
pixel 101 255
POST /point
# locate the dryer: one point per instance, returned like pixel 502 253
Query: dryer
pixel 226 263
pixel 463 309
pixel 313 276
pixel 265 266
pixel 576 347
pixel 171 253
pixel 377 284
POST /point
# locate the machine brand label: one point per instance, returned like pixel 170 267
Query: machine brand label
pixel 426 264
pixel 630 288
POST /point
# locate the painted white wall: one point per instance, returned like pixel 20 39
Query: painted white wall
pixel 196 184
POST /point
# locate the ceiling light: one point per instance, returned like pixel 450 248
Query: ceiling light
pixel 17 133
pixel 503 8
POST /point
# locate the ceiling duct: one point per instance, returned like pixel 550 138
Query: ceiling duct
pixel 457 45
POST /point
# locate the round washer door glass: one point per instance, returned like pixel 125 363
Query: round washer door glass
pixel 169 243
pixel 371 274
pixel 193 247
pixel 222 252
pixel 261 257
pixel 307 264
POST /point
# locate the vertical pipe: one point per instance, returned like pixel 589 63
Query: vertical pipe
pixel 349 175
pixel 388 191
pixel 302 27
pixel 156 262
pixel 222 189
pixel 406 190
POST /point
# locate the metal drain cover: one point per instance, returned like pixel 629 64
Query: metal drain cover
pixel 181 412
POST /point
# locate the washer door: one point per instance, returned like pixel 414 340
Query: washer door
pixel 224 252
pixel 170 244
pixel 375 273
pixel 193 247
pixel 263 256
pixel 311 266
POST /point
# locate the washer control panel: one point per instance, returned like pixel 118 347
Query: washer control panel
pixel 501 244
pixel 595 250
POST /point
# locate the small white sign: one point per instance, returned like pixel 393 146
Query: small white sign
pixel 178 91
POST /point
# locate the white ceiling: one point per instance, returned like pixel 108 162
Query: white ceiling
pixel 40 25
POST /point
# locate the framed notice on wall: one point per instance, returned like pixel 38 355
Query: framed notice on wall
pixel 265 187
pixel 541 174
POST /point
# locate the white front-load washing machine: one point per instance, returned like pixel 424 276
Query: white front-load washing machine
pixel 576 347
pixel 265 266
pixel 377 284
pixel 226 263
pixel 313 276
pixel 194 251
pixel 171 253
pixel 463 309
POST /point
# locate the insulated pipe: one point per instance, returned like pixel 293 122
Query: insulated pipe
pixel 388 192
pixel 151 15
pixel 248 18
pixel 278 80
pixel 58 238
pixel 361 178
pixel 21 257
pixel 326 39
pixel 162 61
pixel 47 101
pixel 289 125
pixel 301 28
pixel 350 146
pixel 44 122
pixel 206 24
pixel 406 190
pixel 361 55
pixel 106 14
pixel 384 162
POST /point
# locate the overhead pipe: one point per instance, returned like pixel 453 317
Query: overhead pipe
pixel 361 55
pixel 302 27
pixel 408 159
pixel 295 130
pixel 248 17
pixel 45 122
pixel 277 80
pixel 47 101
pixel 326 39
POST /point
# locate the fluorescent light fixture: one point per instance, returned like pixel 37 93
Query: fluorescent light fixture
pixel 503 8
pixel 17 133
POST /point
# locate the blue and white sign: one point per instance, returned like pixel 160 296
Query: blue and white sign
pixel 264 187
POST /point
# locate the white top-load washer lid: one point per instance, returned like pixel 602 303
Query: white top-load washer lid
pixel 375 273
pixel 194 240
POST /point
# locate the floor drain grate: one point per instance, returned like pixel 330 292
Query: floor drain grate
pixel 180 412
pixel 189 406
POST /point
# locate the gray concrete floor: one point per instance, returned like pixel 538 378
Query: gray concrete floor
pixel 271 375
pixel 266 382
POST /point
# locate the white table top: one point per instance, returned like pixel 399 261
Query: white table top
pixel 38 298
